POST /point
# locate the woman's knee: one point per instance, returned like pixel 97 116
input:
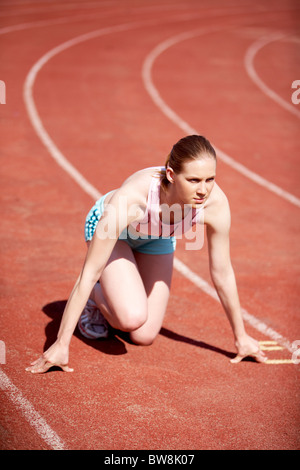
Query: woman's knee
pixel 130 320
pixel 142 338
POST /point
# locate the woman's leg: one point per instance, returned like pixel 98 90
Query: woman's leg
pixel 156 273
pixel 133 292
pixel 120 295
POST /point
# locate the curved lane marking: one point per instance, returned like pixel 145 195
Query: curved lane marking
pixel 249 65
pixel 91 190
pixel 13 393
pixel 170 113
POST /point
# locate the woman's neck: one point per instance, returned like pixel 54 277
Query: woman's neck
pixel 169 198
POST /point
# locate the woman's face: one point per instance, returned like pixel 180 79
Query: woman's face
pixel 194 184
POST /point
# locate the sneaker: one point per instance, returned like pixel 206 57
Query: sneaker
pixel 92 323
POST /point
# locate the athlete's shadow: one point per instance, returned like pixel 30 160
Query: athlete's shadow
pixel 200 344
pixel 112 345
pixel 54 310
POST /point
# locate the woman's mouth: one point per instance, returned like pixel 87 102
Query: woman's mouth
pixel 199 200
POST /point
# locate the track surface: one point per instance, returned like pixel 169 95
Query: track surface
pixel 112 85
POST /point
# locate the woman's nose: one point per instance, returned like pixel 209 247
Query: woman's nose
pixel 201 188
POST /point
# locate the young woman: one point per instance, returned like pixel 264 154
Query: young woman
pixel 131 236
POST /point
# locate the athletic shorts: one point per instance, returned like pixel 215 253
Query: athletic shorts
pixel 149 245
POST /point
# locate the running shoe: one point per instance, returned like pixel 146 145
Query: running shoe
pixel 92 323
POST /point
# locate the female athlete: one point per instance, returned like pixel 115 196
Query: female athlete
pixel 131 235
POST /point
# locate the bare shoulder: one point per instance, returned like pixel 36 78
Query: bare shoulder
pixel 217 210
pixel 140 178
pixel 136 186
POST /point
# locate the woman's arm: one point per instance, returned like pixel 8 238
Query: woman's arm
pixel 223 278
pixel 58 353
pixel 108 230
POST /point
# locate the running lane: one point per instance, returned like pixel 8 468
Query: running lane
pixel 182 392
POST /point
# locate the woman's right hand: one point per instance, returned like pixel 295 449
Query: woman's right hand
pixel 57 355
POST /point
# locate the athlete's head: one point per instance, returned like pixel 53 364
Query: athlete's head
pixel 188 149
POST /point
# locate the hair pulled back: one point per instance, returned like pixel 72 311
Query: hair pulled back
pixel 191 147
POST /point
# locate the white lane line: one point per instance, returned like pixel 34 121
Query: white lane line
pixel 249 65
pixel 153 91
pixel 42 23
pixel 165 109
pixel 35 420
pixel 279 361
pixel 75 18
pixel 94 193
pixel 248 317
pixel 183 17
pixel 55 8
pixel 34 116
pixel 32 111
pixel 30 414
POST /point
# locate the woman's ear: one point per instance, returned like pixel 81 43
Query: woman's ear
pixel 170 174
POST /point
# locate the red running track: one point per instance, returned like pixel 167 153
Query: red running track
pixel 90 71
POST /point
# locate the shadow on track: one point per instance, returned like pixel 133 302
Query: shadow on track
pixel 113 344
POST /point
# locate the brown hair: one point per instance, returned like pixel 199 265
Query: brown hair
pixel 188 148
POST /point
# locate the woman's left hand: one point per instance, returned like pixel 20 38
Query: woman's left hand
pixel 248 347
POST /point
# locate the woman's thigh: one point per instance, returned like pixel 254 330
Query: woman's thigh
pixel 134 291
pixel 121 294
pixel 156 274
